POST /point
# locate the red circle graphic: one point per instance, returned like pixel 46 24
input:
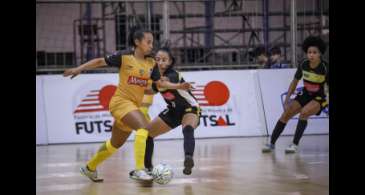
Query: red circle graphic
pixel 105 94
pixel 216 93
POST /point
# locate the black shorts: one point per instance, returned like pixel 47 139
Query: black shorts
pixel 173 117
pixel 304 98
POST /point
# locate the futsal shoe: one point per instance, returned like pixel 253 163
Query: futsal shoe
pixel 140 175
pixel 268 148
pixel 292 148
pixel 92 175
pixel 188 164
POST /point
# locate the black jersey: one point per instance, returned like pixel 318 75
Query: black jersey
pixel 175 98
pixel 313 79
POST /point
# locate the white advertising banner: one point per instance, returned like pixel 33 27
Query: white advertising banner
pixel 229 103
pixel 77 110
pixel 274 85
pixel 41 127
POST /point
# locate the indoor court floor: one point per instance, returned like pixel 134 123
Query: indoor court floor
pixel 222 166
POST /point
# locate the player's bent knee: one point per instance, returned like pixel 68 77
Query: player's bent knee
pixel 304 114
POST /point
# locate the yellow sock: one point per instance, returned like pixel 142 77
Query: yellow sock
pixel 140 147
pixel 105 151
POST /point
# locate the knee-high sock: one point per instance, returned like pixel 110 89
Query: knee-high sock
pixel 302 124
pixel 140 147
pixel 189 140
pixel 149 152
pixel 279 127
pixel 104 152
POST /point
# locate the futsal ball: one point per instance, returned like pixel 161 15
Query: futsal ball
pixel 162 173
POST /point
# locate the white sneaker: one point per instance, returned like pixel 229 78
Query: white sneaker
pixel 268 148
pixel 292 148
pixel 140 175
pixel 92 175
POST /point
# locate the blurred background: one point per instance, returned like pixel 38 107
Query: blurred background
pixel 204 34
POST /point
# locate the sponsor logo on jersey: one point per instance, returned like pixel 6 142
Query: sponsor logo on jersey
pixel 132 80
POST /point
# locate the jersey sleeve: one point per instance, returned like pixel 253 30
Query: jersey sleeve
pixel 174 77
pixel 115 59
pixel 155 74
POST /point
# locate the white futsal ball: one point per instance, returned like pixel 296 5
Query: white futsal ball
pixel 162 173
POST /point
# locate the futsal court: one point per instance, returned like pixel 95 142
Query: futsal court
pixel 222 166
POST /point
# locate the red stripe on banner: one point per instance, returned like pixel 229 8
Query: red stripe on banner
pixel 200 85
pixel 86 105
pixel 197 93
pixel 199 99
pixel 203 104
pixel 90 110
pixel 88 100
pixel 93 95
pixel 197 90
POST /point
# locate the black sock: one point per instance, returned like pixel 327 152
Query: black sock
pixel 302 124
pixel 149 152
pixel 189 140
pixel 279 127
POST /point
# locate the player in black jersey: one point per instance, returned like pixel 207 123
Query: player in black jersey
pixel 182 109
pixel 311 100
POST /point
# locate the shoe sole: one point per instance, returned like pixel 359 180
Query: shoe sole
pixel 138 179
pixel 266 151
pixel 92 179
pixel 289 152
pixel 188 164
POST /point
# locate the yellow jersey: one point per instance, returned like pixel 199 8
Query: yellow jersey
pixel 134 75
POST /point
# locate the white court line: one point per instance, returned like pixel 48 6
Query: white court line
pixel 205 168
pixel 301 176
pixel 61 175
pixel 314 155
pixel 61 187
pixel 316 163
pixel 193 180
pixel 61 164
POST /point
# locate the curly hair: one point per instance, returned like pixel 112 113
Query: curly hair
pixel 313 41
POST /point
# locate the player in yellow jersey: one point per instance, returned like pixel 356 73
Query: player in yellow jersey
pixel 135 71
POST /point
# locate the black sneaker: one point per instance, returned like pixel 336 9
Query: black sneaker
pixel 188 164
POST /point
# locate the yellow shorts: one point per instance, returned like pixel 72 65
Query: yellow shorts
pixel 120 107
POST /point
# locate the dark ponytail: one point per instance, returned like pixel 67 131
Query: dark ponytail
pixel 136 32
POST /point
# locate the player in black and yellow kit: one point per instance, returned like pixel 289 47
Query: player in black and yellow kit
pixel 182 109
pixel 311 100
pixel 135 67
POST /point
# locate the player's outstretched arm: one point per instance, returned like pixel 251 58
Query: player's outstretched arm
pixel 168 85
pixel 92 64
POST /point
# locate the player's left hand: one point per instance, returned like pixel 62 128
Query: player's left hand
pixel 187 85
pixel 73 72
